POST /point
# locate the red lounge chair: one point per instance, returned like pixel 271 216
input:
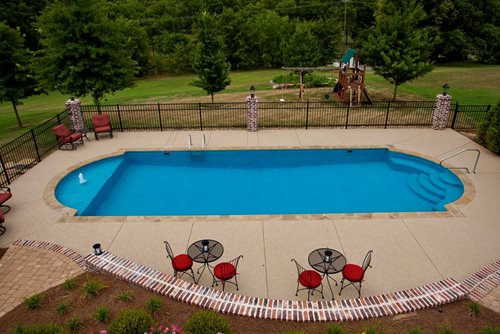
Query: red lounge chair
pixel 5 194
pixel 181 263
pixel 66 137
pixel 309 279
pixel 102 124
pixel 2 220
pixel 225 271
pixel 356 274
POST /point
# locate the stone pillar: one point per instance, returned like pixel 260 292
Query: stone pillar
pixel 441 111
pixel 75 115
pixel 252 113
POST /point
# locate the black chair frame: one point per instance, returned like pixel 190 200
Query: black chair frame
pixel 310 292
pixel 170 254
pixel 366 264
pixel 4 207
pixel 215 280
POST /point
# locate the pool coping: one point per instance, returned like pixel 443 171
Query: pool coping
pixel 434 294
pixel 452 209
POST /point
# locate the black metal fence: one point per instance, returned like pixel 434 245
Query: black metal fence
pixel 17 156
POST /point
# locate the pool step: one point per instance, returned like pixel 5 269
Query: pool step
pixel 416 186
pixel 426 183
pixel 449 179
pixel 413 166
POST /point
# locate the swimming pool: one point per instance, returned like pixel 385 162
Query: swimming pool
pixel 254 182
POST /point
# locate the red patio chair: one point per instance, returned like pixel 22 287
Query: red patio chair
pixel 5 195
pixel 102 124
pixel 309 279
pixel 66 137
pixel 225 271
pixel 181 263
pixel 356 274
pixel 2 220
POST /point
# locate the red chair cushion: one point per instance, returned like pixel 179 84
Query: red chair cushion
pixel 353 273
pixel 106 128
pixel 75 136
pixel 224 271
pixel 182 262
pixel 4 197
pixel 310 279
pixel 100 120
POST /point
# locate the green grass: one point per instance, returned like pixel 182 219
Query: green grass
pixel 470 84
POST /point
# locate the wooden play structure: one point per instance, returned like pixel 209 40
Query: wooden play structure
pixel 350 87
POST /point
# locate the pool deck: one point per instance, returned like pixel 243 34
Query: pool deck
pixel 409 250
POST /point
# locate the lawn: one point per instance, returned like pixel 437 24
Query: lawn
pixel 470 84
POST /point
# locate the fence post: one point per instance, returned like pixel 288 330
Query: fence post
pixel 4 170
pixel 201 119
pixel 119 117
pixel 454 116
pixel 347 115
pixel 36 145
pixel 387 114
pixel 159 116
pixel 307 114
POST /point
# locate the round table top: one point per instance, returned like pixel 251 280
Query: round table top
pixel 327 260
pixel 213 250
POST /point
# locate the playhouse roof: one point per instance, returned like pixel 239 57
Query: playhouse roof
pixel 348 55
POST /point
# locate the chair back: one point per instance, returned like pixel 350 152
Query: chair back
pixel 170 254
pixel 100 120
pixel 235 261
pixel 367 260
pixel 300 269
pixel 61 131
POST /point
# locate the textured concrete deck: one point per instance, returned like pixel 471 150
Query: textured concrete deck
pixel 408 252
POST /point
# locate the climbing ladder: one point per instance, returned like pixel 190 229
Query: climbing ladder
pixel 197 155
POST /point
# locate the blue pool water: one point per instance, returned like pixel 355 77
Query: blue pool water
pixel 259 182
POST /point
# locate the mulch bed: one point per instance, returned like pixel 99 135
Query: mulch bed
pixel 453 315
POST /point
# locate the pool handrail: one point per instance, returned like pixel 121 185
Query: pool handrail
pixel 462 151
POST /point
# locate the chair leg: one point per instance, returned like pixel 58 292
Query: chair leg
pixel 2 229
pixel 236 280
pixel 5 208
pixel 341 286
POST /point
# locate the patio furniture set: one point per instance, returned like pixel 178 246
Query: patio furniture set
pixel 205 252
pixel 325 263
pixel 70 139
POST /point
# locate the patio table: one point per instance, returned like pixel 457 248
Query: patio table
pixel 205 251
pixel 328 262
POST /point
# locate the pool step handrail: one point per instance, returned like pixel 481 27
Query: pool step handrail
pixel 190 142
pixel 462 151
pixel 203 141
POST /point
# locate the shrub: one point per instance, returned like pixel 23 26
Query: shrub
pixel 62 308
pixel 101 314
pixel 131 321
pixel 173 329
pixel 74 323
pixel 154 304
pixel 415 331
pixel 39 329
pixel 335 329
pixel 69 284
pixel 488 133
pixel 490 330
pixel 207 322
pixel 91 288
pixel 474 308
pixel 125 296
pixel 33 302
pixel 372 330
pixel 446 330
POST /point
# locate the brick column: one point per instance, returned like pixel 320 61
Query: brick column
pixel 75 115
pixel 252 113
pixel 441 111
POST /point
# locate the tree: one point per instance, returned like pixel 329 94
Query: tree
pixel 209 59
pixel 399 49
pixel 16 81
pixel 84 52
pixel 488 133
pixel 302 49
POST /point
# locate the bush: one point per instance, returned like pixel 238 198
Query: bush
pixel 125 296
pixel 446 330
pixel 33 302
pixel 415 331
pixel 101 314
pixel 69 284
pixel 488 133
pixel 207 322
pixel 490 330
pixel 131 321
pixel 62 308
pixel 335 329
pixel 39 329
pixel 172 329
pixel 372 330
pixel 474 308
pixel 91 288
pixel 74 323
pixel 154 304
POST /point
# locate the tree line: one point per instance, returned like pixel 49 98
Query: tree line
pixel 96 47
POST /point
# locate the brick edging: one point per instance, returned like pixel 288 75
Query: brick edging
pixel 430 295
pixel 483 281
pixel 69 253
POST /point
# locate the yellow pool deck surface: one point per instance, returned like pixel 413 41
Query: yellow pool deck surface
pixel 409 250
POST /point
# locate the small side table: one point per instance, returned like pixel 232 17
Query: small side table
pixel 328 262
pixel 205 251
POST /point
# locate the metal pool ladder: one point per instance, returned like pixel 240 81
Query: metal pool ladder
pixel 198 156
pixel 462 151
